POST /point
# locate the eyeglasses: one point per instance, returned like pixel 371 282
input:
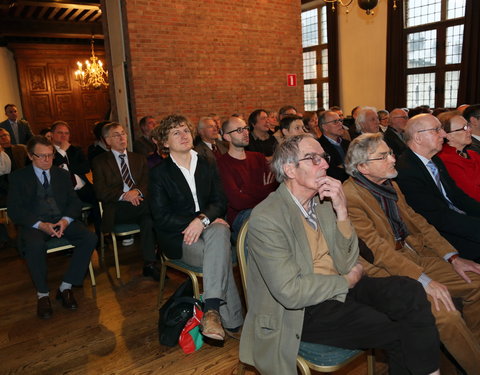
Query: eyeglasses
pixel 404 117
pixel 384 156
pixel 238 130
pixel 463 128
pixel 336 121
pixel 44 156
pixel 118 135
pixel 317 158
pixel 436 130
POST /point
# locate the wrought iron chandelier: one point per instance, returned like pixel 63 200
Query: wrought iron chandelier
pixel 366 5
pixel 93 74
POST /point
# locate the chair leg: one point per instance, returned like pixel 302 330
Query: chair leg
pixel 196 288
pixel 102 247
pixel 302 366
pixel 163 276
pixel 115 254
pixel 240 368
pixel 92 275
pixel 371 362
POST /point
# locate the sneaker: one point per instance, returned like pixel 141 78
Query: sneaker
pixel 128 241
pixel 211 325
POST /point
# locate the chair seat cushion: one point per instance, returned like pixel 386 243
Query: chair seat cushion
pixel 185 265
pixel 123 228
pixel 57 242
pixel 324 355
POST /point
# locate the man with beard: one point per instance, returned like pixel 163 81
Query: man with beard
pixel 246 176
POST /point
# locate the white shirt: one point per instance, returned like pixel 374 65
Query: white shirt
pixel 79 183
pixel 189 175
pixel 5 163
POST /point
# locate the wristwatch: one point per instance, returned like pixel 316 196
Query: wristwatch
pixel 204 219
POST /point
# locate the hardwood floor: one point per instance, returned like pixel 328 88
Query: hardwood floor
pixel 114 331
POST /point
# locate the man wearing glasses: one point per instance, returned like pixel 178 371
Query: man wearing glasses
pixel 402 243
pixel 332 142
pixel 305 283
pixel 43 204
pixel 472 115
pixel 246 176
pixel 430 190
pixel 393 136
pixel 120 180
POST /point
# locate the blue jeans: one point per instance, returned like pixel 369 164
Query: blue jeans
pixel 238 222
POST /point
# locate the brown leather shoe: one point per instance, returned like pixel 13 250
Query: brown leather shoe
pixel 68 300
pixel 44 308
pixel 211 325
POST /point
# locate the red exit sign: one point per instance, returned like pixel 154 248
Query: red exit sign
pixel 291 80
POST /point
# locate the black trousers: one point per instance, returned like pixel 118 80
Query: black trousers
pixel 127 213
pixel 389 313
pixel 34 249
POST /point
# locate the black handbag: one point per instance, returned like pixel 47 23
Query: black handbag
pixel 174 314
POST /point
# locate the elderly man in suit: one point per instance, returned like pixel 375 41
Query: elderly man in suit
pixel 43 204
pixel 332 142
pixel 188 206
pixel 403 243
pixel 430 191
pixel 120 180
pixel 207 143
pixel 304 282
pixel 472 115
pixel 19 130
pixel 394 134
pixel 144 144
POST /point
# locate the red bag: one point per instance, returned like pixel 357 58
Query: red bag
pixel 191 338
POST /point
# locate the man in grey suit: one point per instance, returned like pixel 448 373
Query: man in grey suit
pixel 207 143
pixel 472 115
pixel 304 282
pixel 19 130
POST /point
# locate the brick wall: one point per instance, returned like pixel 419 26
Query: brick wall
pixel 199 56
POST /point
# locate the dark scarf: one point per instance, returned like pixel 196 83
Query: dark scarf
pixel 387 197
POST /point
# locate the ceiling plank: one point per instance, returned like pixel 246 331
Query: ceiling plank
pixel 42 12
pixel 30 12
pixel 57 4
pixel 54 13
pixel 65 14
pixel 86 15
pixel 48 29
pixel 74 14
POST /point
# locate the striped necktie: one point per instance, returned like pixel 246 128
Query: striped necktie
pixel 125 172
pixel 436 176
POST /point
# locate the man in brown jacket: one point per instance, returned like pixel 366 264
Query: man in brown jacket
pixel 403 243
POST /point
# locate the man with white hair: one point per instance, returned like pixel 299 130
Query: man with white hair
pixel 402 243
pixel 367 120
pixel 208 145
pixel 431 191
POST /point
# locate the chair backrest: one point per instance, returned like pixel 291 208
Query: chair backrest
pixel 242 254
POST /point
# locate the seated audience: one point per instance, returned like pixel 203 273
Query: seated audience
pixel 472 115
pixel 208 145
pixel 289 126
pixel 286 110
pixel 272 121
pixel 402 243
pixel 346 129
pixel 120 180
pixel 461 108
pixel 260 138
pixel 19 129
pixel 418 110
pixel 72 159
pixel 47 133
pixel 349 122
pixel 188 205
pixel 218 122
pixel 430 190
pixel 462 165
pixel 333 143
pixel 99 146
pixel 42 203
pixel 393 136
pixel 437 111
pixel 246 175
pixel 310 122
pixel 367 120
pixel 144 145
pixel 304 282
pixel 383 116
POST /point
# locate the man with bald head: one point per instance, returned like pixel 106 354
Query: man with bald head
pixel 367 120
pixel 246 176
pixel 431 191
pixel 393 136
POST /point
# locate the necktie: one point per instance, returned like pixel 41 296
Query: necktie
pixel 45 180
pixel 125 172
pixel 15 131
pixel 214 148
pixel 436 176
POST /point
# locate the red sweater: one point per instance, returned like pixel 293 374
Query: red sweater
pixel 244 181
pixel 465 172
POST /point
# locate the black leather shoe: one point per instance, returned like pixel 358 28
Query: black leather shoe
pixel 68 300
pixel 44 308
pixel 151 270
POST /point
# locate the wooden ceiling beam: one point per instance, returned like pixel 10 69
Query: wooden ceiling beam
pixel 57 4
pixel 42 12
pixel 53 13
pixel 58 29
pixel 86 15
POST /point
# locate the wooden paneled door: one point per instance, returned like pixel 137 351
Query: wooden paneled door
pixel 50 93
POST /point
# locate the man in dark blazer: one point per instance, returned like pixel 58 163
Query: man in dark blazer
pixel 43 204
pixel 472 115
pixel 453 213
pixel 207 143
pixel 144 145
pixel 188 206
pixel 333 143
pixel 19 130
pixel 120 180
pixel 393 136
